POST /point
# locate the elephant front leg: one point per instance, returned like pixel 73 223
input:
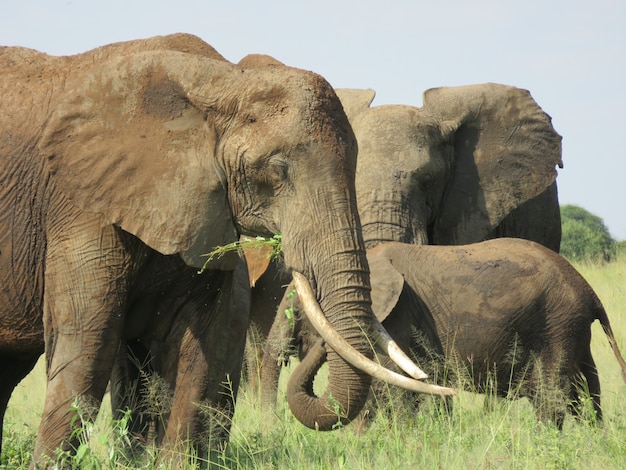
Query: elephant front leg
pixel 78 369
pixel 85 288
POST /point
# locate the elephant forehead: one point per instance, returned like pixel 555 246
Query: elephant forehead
pixel 399 145
pixel 397 127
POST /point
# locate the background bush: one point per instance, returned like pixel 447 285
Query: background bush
pixel 585 237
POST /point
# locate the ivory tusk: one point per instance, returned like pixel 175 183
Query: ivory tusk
pixel 397 355
pixel 347 352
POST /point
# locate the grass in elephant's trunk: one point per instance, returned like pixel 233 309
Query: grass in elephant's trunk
pixel 272 247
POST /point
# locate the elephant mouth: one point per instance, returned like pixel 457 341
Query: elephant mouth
pixel 356 359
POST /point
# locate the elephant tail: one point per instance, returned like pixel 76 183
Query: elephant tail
pixel 606 326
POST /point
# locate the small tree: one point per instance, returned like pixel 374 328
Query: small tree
pixel 585 237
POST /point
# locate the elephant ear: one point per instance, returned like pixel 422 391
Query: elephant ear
pixel 355 101
pixel 258 259
pixel 506 153
pixel 387 283
pixel 126 141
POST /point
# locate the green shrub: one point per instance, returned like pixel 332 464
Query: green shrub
pixel 585 237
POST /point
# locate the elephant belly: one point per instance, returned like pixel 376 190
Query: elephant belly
pixel 21 298
pixel 21 329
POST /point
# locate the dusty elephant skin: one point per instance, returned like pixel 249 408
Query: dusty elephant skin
pixel 474 162
pixel 514 315
pixel 119 163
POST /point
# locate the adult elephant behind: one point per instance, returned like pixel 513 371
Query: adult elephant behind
pixel 116 164
pixel 475 162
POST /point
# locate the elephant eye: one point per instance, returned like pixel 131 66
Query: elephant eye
pixel 277 169
pixel 426 182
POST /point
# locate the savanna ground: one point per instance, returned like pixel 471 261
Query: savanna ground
pixel 507 437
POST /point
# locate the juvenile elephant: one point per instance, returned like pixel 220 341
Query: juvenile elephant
pixel 473 163
pixel 512 313
pixel 119 169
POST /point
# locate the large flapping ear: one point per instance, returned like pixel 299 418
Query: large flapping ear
pixel 506 153
pixel 125 141
pixel 387 283
pixel 354 100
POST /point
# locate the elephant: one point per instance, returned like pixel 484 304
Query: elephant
pixel 512 315
pixel 120 168
pixel 475 162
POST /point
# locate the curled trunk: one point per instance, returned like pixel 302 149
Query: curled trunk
pixel 335 265
pixel 348 386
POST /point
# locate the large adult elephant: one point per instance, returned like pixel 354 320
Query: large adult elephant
pixel 512 316
pixel 119 169
pixel 473 163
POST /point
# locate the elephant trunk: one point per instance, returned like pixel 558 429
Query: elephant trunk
pixel 334 263
pixel 348 310
pixel 388 215
pixel 300 387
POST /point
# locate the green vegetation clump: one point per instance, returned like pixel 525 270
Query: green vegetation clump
pixel 274 243
pixel 585 237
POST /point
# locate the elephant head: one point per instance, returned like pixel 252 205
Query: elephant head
pixel 188 152
pixel 475 162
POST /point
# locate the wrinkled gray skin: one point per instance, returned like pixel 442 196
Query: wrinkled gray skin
pixel 508 312
pixel 118 164
pixel 475 162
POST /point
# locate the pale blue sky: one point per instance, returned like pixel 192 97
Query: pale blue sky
pixel 570 54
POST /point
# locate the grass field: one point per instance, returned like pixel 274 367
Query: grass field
pixel 508 437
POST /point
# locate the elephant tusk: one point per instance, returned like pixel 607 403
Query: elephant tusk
pixel 348 353
pixel 397 355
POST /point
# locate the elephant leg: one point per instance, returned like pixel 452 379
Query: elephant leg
pixel 253 358
pixel 13 370
pixel 85 291
pixel 131 393
pixel 279 346
pixel 202 361
pixel 266 295
pixel 589 373
pixel 549 389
